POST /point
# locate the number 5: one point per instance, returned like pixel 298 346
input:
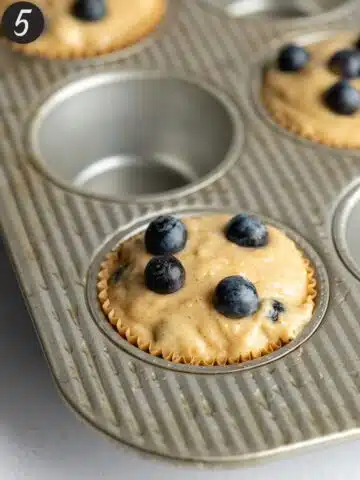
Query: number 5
pixel 22 21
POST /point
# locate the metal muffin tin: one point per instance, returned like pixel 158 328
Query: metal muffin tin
pixel 136 148
pixel 56 234
pixel 278 10
pixel 345 234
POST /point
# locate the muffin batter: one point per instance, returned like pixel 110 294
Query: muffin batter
pixel 185 326
pixel 66 36
pixel 295 99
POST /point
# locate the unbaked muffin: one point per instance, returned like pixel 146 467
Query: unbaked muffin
pixel 314 91
pixel 208 290
pixel 86 28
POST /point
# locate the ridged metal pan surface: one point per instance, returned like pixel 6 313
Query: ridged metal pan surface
pixel 308 396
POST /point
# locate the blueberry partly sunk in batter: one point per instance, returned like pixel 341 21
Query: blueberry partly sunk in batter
pixel 276 309
pixel 116 276
pixel 342 98
pixel 247 231
pixel 89 10
pixel 346 63
pixel 164 274
pixel 165 235
pixel 292 58
pixel 236 297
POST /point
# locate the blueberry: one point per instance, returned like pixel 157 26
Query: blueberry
pixel 292 58
pixel 346 63
pixel 89 10
pixel 165 234
pixel 247 231
pixel 342 98
pixel 276 308
pixel 164 274
pixel 236 297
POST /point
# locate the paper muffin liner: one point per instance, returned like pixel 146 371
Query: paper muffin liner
pixel 108 267
pixel 282 118
pixel 67 52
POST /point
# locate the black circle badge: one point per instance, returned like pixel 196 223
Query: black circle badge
pixel 23 22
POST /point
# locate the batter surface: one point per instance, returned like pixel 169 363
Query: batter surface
pixel 66 36
pixel 184 326
pixel 295 98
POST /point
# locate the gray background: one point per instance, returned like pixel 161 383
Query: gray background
pixel 40 437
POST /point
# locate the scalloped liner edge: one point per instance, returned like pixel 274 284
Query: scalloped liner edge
pixel 111 262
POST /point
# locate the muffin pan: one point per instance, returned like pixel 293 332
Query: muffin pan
pixel 260 8
pixel 345 228
pixel 279 9
pixel 58 225
pixel 137 135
